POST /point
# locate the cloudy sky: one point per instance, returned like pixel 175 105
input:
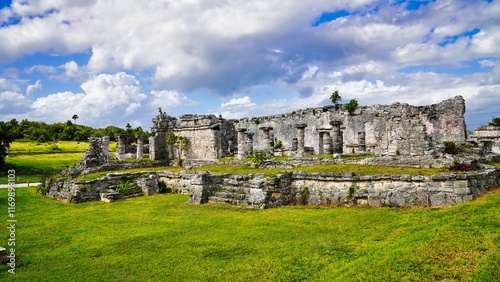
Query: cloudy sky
pixel 114 62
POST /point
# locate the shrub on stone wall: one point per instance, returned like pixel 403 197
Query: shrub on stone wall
pixel 128 188
pixel 460 167
pixel 278 144
pixel 351 106
pixel 451 148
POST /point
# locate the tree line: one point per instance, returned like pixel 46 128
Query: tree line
pixel 61 131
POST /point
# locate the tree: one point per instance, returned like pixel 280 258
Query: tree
pixel 6 137
pixel 75 117
pixel 351 106
pixel 494 121
pixel 335 97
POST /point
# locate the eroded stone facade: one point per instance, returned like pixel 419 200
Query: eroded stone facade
pixel 384 130
pixel 294 188
pixel 488 138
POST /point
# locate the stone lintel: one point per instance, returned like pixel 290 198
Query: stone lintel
pixel 300 125
pixel 324 130
pixel 265 128
pixel 335 122
pixel 184 128
pixel 241 129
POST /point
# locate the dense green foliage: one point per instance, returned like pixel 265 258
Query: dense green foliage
pixel 335 97
pixel 163 238
pixel 67 131
pixel 6 137
pixel 351 106
pixel 258 156
pixel 495 121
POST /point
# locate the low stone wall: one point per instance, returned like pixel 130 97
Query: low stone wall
pixel 294 188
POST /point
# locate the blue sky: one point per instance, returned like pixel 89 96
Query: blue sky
pixel 115 62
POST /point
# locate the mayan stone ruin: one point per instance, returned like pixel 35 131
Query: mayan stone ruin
pixel 383 130
pixel 396 134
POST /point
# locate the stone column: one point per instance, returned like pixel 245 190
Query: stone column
pixel 105 146
pixel 120 149
pixel 361 143
pixel 320 146
pixel 140 151
pixel 249 143
pixel 241 143
pixel 230 147
pixel 300 139
pixel 336 138
pixel 267 140
pixel 327 143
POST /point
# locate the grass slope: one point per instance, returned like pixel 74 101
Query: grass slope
pixel 162 238
pixel 32 167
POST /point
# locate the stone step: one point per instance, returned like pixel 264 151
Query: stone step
pixel 229 195
pixel 219 200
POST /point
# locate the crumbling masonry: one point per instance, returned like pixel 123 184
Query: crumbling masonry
pixel 383 130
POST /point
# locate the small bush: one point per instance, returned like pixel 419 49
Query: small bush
pixel 278 144
pixel 163 188
pixel 128 188
pixel 460 167
pixel 351 106
pixel 304 196
pixel 259 156
pixel 451 148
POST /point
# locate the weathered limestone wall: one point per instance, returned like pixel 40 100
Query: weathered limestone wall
pixel 488 137
pixel 208 136
pixel 74 191
pixel 258 191
pixel 162 124
pixel 349 189
pixel 284 126
pixel 385 129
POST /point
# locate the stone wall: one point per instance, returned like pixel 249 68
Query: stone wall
pixel 381 129
pixel 488 138
pixel 208 136
pixel 349 189
pixel 294 188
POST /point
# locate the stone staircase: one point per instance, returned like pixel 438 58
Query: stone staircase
pixel 240 191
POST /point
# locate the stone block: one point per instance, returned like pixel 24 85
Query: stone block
pixel 375 201
pixel 462 191
pixel 418 178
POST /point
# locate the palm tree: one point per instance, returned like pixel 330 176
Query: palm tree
pixel 75 117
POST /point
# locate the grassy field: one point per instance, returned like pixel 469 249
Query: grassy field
pixel 30 168
pixel 32 159
pixel 33 147
pixel 162 238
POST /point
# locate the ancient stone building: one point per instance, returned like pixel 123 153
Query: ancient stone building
pixel 488 138
pixel 397 129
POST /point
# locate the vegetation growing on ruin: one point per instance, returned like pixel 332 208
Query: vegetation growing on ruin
pixel 351 106
pixel 335 97
pixel 324 168
pixel 163 238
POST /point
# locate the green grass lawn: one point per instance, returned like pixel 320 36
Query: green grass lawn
pixel 32 167
pixel 162 238
pixel 28 147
